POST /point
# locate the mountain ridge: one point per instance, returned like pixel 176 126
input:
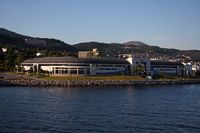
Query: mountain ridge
pixel 22 41
pixel 106 49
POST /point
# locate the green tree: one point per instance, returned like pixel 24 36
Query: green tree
pixel 19 59
pixel 9 63
pixel 138 70
pixel 197 73
pixel 9 59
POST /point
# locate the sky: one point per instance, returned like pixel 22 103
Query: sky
pixel 164 23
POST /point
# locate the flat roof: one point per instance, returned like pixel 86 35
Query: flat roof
pixel 162 62
pixel 76 60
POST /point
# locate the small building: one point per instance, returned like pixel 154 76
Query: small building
pixel 88 54
pixel 4 50
pixel 125 56
pixel 38 54
pixel 188 68
pixel 64 66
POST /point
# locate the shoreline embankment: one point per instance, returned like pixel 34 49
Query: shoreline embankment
pixel 92 83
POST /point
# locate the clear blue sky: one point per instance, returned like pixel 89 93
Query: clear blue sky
pixel 166 23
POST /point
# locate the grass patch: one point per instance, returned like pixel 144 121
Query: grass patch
pixel 95 78
pixel 172 77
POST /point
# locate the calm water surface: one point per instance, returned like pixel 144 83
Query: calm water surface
pixel 110 109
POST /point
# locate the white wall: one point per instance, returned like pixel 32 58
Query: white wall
pixel 130 60
pixel 26 68
pixel 46 68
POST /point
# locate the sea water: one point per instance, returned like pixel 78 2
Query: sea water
pixel 173 108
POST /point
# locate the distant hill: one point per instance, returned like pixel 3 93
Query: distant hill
pixel 9 38
pixel 111 50
pixel 135 44
pixel 106 49
pixel 114 49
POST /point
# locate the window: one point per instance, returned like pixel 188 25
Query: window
pixel 80 71
pixel 73 71
pixel 88 71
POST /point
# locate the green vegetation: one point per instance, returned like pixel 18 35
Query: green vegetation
pixel 139 70
pixel 54 47
pixel 16 40
pixel 18 50
pixel 164 76
pixel 10 60
pixel 83 78
pixel 137 47
pixel 95 78
pixel 196 75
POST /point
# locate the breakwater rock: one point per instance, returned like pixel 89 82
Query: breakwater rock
pixel 74 83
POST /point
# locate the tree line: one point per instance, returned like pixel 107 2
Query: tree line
pixel 11 59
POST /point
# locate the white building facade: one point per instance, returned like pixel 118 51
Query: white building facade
pixel 142 62
pixel 64 66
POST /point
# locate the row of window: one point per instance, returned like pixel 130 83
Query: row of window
pixel 164 66
pixel 110 65
pixel 107 69
pixel 87 71
pixel 63 68
pixel 67 64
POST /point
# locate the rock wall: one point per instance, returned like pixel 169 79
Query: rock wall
pixel 92 83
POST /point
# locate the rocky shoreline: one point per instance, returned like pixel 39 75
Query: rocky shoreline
pixel 92 83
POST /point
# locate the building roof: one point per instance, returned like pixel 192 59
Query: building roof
pixel 75 60
pixel 161 62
